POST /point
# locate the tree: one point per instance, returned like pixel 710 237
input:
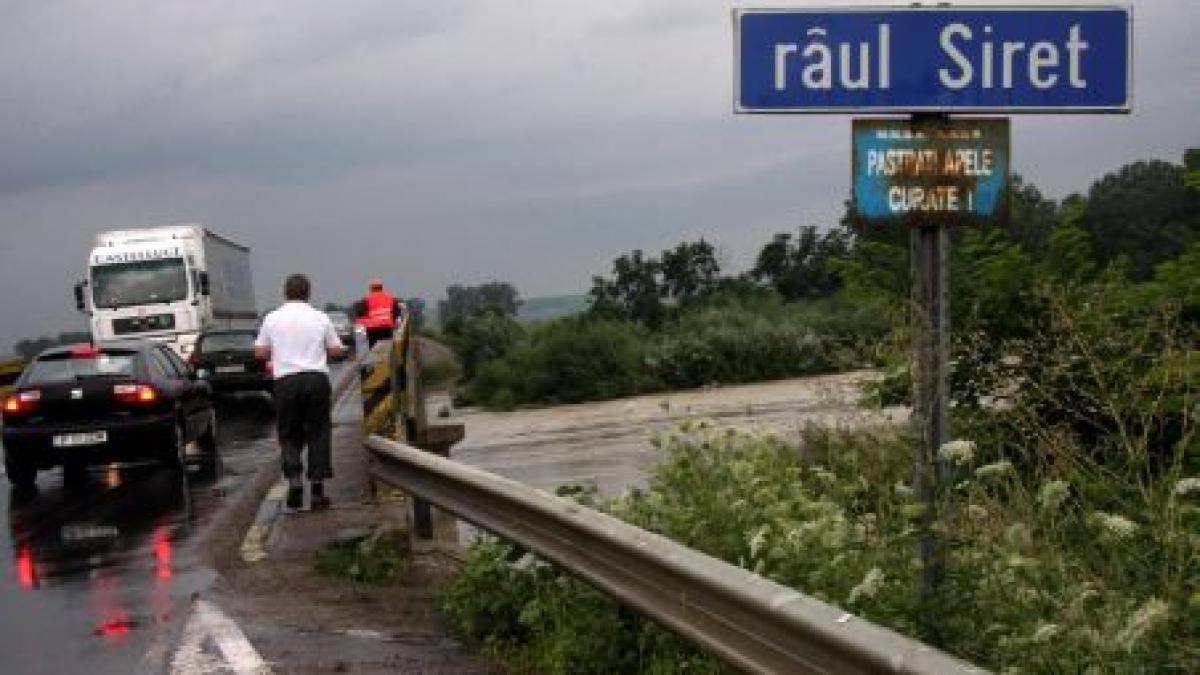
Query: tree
pixel 484 336
pixel 803 267
pixel 1031 216
pixel 633 294
pixel 463 302
pixel 416 312
pixel 1191 164
pixel 642 288
pixel 1144 212
pixel 28 348
pixel 690 271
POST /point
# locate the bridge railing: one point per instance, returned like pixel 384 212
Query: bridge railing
pixel 749 621
pixel 9 372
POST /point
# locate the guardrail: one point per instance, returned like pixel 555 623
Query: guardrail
pixel 751 622
pixel 9 372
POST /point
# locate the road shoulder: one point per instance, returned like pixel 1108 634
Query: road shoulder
pixel 302 621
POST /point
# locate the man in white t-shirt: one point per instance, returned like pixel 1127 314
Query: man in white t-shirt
pixel 298 340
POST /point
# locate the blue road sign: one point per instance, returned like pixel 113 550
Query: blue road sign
pixel 991 59
pixel 930 171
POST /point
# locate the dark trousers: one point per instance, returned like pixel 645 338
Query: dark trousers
pixel 302 413
pixel 376 334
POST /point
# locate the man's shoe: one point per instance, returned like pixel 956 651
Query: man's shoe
pixel 295 497
pixel 318 498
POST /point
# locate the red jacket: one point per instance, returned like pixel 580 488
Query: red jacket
pixel 381 313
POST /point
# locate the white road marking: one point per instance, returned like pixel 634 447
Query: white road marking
pixel 209 623
pixel 254 544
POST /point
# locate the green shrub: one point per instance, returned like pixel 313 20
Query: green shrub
pixel 735 340
pixel 483 337
pixel 566 361
pixel 380 559
pixel 1045 570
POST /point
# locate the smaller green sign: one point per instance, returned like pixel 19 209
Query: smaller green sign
pixel 930 171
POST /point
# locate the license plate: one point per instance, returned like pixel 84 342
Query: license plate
pixel 72 532
pixel 82 438
pixel 236 368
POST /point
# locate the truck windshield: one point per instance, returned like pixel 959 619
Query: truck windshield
pixel 139 283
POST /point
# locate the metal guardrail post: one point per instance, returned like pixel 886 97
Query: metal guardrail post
pixel 394 408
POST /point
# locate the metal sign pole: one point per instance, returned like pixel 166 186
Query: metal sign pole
pixel 930 250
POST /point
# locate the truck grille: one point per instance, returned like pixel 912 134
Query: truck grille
pixel 143 324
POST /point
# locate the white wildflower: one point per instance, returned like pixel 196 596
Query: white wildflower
pixel 758 540
pixel 1018 536
pixel 868 587
pixel 824 475
pixel 994 469
pixel 1186 486
pixel 1115 525
pixel 976 512
pixel 1141 623
pixel 958 452
pixel 1046 632
pixel 1053 494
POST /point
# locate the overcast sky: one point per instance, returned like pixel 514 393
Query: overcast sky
pixel 447 142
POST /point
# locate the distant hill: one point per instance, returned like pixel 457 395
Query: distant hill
pixel 550 307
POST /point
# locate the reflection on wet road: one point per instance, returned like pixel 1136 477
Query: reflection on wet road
pixel 101 569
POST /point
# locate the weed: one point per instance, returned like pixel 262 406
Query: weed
pixel 379 559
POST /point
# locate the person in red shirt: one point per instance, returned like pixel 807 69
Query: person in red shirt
pixel 379 312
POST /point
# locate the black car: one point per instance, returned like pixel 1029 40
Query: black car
pixel 81 405
pixel 347 330
pixel 225 359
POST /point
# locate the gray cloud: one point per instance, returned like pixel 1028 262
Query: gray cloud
pixel 445 142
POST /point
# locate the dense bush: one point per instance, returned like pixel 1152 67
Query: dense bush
pixel 483 337
pixel 566 361
pixel 728 345
pixel 1046 569
pixel 1068 527
pixel 537 619
pixel 730 339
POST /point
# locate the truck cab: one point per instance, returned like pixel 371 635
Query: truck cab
pixel 165 284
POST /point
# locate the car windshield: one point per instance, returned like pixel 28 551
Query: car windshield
pixel 339 319
pixel 225 342
pixel 139 283
pixel 70 368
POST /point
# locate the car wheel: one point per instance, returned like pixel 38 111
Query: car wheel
pixel 21 475
pixel 178 457
pixel 208 447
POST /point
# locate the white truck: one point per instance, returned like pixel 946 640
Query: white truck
pixel 166 284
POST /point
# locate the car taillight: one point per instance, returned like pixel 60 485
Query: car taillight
pixel 84 351
pixel 21 402
pixel 135 393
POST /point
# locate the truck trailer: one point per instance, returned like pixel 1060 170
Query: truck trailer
pixel 166 284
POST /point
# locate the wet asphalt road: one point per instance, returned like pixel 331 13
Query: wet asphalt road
pixel 98 569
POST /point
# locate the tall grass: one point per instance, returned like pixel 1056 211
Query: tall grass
pixel 1068 522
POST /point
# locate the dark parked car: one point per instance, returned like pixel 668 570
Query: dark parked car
pixel 347 330
pixel 225 359
pixel 81 405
